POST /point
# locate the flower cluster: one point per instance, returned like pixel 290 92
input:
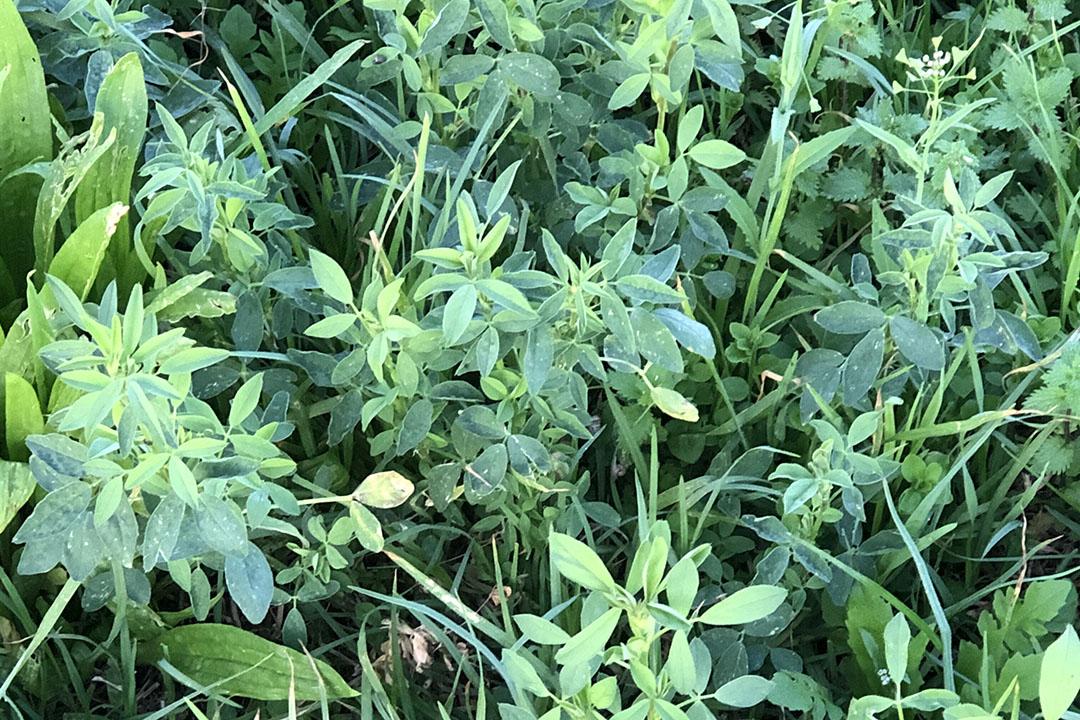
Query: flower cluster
pixel 931 67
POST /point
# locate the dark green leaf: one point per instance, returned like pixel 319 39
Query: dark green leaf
pixel 862 366
pixel 238 662
pixel 446 25
pixel 917 343
pixel 850 317
pixel 56 513
pixel 539 356
pixel 485 474
pixel 250 582
pixel 532 72
pixel 415 425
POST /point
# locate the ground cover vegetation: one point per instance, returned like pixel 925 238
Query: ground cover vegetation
pixel 539 359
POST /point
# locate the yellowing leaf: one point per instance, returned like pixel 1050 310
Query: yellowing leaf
pixel 384 490
pixel 674 404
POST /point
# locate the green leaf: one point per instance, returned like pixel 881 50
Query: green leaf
pixel 108 499
pixel 906 152
pixel 446 25
pixel 717 154
pixel 191 360
pixel 415 426
pixel 25 136
pixel 643 288
pixel 862 366
pixel 813 151
pixel 655 341
pixel 496 21
pixel 629 90
pixel 745 606
pixel 743 692
pixel 458 313
pixel 331 326
pixel 724 22
pixel 989 190
pixel 122 101
pixel 183 482
pixel 579 564
pixel 897 638
pixel 78 260
pixel 290 103
pixel 682 584
pixel 485 474
pixel 689 127
pixel 211 654
pixel 368 528
pixel 863 427
pixel 221 527
pixel 534 73
pixel 500 189
pixel 16 487
pixel 505 294
pixel 245 400
pixel 850 317
pixel 55 514
pixel 331 278
pixel 539 358
pixel 1059 676
pixel 522 673
pixel 250 582
pixel 541 631
pixel 680 664
pixel 591 641
pixel 917 343
pixel 22 416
